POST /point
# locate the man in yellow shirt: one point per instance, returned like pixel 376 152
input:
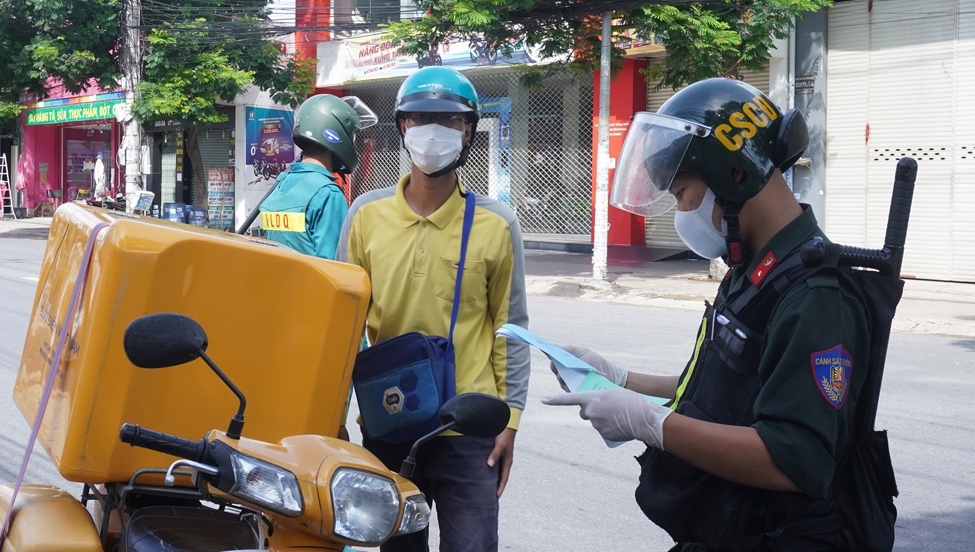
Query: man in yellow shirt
pixel 407 237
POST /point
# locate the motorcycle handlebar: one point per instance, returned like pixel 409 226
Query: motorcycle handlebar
pixel 163 442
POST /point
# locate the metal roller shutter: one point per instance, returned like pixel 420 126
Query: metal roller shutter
pixel 892 93
pixel 660 230
pixel 215 148
pixel 963 192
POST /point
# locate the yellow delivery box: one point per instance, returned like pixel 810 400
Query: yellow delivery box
pixel 285 327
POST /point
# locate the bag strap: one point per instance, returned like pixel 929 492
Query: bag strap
pixel 62 338
pixel 468 222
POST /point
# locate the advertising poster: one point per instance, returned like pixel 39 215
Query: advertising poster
pixel 268 135
pixel 373 56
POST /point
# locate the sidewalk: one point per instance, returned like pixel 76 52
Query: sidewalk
pixel 926 307
pixel 31 226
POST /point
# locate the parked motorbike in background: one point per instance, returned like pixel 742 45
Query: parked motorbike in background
pixel 430 57
pixel 117 204
pixel 480 48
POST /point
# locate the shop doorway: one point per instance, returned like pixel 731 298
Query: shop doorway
pixel 88 161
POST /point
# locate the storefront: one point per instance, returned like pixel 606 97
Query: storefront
pixel 898 82
pixel 533 149
pixel 69 149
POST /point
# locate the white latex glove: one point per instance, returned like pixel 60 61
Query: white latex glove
pixel 619 414
pixel 610 370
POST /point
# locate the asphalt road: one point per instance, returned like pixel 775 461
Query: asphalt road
pixel 568 491
pixel 21 252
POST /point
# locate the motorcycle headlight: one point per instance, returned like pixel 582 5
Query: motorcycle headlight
pixel 416 515
pixel 365 506
pixel 266 485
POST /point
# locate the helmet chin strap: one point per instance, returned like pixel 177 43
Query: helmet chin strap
pixel 736 247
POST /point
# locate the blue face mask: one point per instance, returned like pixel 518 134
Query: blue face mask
pixel 698 232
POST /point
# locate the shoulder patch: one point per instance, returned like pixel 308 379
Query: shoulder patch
pixel 832 370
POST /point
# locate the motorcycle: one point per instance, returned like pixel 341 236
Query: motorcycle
pixel 430 57
pixel 268 169
pixel 287 484
pixel 118 204
pixel 480 48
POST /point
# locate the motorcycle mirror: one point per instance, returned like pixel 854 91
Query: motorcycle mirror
pixel 164 339
pixel 475 414
pixel 471 414
pixel 169 339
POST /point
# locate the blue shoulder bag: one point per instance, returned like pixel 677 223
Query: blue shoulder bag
pixel 401 383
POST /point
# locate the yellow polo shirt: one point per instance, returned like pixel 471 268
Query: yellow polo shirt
pixel 412 264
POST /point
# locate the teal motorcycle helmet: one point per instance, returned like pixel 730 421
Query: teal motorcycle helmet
pixel 439 89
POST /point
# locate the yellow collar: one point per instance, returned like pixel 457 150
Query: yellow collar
pixel 440 218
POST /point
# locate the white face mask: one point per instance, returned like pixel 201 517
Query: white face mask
pixel 433 147
pixel 697 229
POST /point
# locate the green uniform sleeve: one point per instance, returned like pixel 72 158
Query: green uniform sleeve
pixel 801 417
pixel 326 214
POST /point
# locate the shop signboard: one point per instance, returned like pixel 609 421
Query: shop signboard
pixel 373 56
pixel 72 113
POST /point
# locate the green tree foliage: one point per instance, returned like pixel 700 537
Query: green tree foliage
pixel 200 52
pixel 71 41
pixel 719 39
pixel 703 39
pixel 196 52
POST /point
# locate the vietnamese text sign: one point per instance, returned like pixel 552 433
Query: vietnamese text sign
pixel 374 56
pixel 72 113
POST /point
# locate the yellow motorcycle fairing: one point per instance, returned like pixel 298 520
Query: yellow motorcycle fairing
pixel 47 518
pixel 313 459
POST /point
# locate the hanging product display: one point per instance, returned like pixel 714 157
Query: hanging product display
pixel 220 198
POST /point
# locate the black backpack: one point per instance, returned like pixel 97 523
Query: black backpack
pixel 864 486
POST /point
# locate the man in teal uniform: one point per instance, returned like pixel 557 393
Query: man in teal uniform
pixel 744 455
pixel 307 208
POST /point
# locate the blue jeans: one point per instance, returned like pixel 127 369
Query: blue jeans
pixel 452 472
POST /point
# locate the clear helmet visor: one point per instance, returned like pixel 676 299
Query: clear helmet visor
pixel 367 117
pixel 652 153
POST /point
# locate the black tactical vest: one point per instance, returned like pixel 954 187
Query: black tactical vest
pixel 722 385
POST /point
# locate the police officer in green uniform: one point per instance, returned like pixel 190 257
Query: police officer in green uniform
pixel 744 455
pixel 307 207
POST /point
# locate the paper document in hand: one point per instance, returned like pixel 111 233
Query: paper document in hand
pixel 579 376
pixel 572 369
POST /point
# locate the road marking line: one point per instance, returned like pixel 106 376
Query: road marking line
pixel 31 278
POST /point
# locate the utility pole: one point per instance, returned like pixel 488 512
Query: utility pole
pixel 601 227
pixel 132 69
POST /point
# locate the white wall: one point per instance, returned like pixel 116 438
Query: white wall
pixel 248 187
